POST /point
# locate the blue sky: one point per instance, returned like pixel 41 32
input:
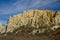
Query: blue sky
pixel 12 7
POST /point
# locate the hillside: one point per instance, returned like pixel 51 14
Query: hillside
pixel 32 25
pixel 34 19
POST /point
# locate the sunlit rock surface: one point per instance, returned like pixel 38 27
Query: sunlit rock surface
pixel 36 24
pixel 0 27
pixel 34 18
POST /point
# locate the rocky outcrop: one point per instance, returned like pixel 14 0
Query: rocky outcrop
pixel 0 27
pixel 32 25
pixel 39 19
pixel 34 19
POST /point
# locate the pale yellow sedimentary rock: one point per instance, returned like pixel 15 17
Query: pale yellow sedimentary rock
pixel 33 18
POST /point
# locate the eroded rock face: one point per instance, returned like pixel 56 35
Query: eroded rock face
pixel 32 25
pixel 57 18
pixel 0 27
pixel 39 19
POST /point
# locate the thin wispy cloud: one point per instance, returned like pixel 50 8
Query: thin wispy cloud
pixel 41 3
pixel 24 4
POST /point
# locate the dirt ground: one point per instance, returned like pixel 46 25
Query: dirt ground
pixel 24 36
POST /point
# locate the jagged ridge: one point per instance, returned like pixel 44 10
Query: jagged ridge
pixel 33 18
pixel 32 25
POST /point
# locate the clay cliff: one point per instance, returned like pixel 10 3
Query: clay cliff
pixel 38 19
pixel 34 18
pixel 32 22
